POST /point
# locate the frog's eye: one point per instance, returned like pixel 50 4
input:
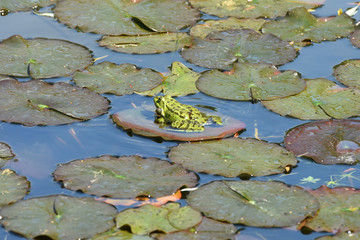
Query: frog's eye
pixel 159 111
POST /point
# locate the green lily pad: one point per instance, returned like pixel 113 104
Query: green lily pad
pixel 233 157
pixel 117 234
pixel 145 125
pixel 253 8
pixel 300 25
pixel 355 38
pixel 180 82
pixel 41 58
pixel 5 154
pixel 254 203
pixel 168 218
pixel 251 81
pixel 124 177
pixel 39 103
pixel 58 217
pixel 341 236
pixel 119 17
pixel 339 210
pixel 24 5
pixel 322 99
pixel 202 30
pixel 12 187
pixel 146 44
pixel 327 142
pixel 347 72
pixel 222 49
pixel 120 79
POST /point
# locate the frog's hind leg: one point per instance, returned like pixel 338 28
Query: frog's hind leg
pixel 188 125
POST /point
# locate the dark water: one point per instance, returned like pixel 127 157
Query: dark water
pixel 40 149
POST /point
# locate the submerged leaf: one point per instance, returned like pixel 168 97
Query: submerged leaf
pixel 12 187
pixel 348 72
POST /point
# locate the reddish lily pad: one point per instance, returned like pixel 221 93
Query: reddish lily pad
pixel 39 103
pixel 233 157
pixel 322 99
pixel 339 210
pixel 251 81
pixel 120 79
pixel 126 17
pixel 222 49
pixel 124 177
pixel 12 187
pixel 327 142
pixel 347 72
pixel 145 126
pixel 24 5
pixel 5 154
pixel 254 203
pixel 355 38
pixel 58 217
pixel 41 58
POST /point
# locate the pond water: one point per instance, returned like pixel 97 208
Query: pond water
pixel 39 149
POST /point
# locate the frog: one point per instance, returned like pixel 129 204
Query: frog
pixel 181 116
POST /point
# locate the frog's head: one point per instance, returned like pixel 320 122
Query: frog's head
pixel 160 104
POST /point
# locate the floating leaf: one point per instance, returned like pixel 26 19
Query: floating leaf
pixel 124 177
pixel 355 38
pixel 126 17
pixel 58 217
pixel 145 126
pixel 233 157
pixel 39 103
pixel 327 142
pixel 12 187
pixel 24 5
pixel 5 154
pixel 250 81
pixel 341 236
pixel 339 210
pixel 168 218
pixel 41 58
pixel 322 99
pixel 300 25
pixel 254 203
pixel 252 9
pixel 120 79
pixel 347 72
pixel 222 49
pixel 117 234
pixel 146 44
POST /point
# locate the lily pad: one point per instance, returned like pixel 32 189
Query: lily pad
pixel 120 79
pixel 146 44
pixel 355 38
pixel 322 99
pixel 300 25
pixel 58 217
pixel 117 234
pixel 221 49
pixel 145 126
pixel 233 157
pixel 41 58
pixel 168 218
pixel 347 72
pixel 327 142
pixel 251 81
pixel 118 17
pixel 5 154
pixel 124 177
pixel 24 5
pixel 339 210
pixel 12 187
pixel 252 9
pixel 39 103
pixel 254 203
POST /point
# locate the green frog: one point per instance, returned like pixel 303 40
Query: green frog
pixel 181 116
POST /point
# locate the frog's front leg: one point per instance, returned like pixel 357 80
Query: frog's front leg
pixel 188 125
pixel 217 120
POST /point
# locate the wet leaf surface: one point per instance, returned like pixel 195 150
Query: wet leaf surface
pixel 24 5
pixel 5 154
pixel 254 203
pixel 250 81
pixel 339 210
pixel 126 17
pixel 117 234
pixel 39 103
pixel 145 125
pixel 222 49
pixel 12 187
pixel 327 142
pixel 124 177
pixel 322 99
pixel 41 58
pixel 347 72
pixel 233 157
pixel 146 44
pixel 120 79
pixel 58 217
pixel 252 9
